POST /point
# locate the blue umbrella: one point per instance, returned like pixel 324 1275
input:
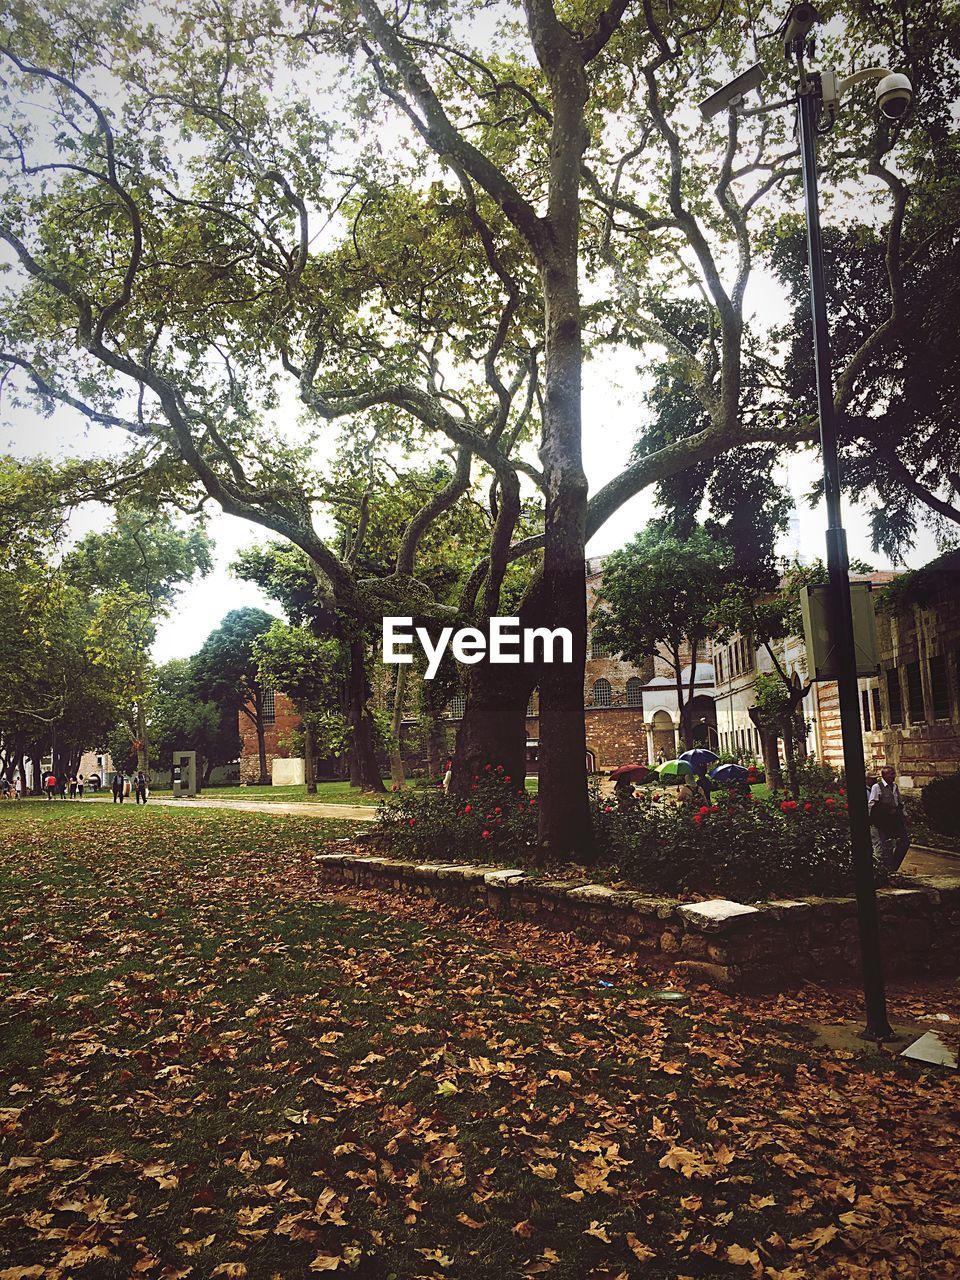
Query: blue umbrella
pixel 727 774
pixel 700 758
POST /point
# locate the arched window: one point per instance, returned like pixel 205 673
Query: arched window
pixel 458 706
pixel 634 692
pixel 602 693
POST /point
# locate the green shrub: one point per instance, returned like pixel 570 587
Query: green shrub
pixel 739 846
pixel 497 821
pixel 941 804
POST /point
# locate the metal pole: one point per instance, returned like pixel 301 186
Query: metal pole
pixel 838 569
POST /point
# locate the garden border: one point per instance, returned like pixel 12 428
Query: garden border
pixel 771 945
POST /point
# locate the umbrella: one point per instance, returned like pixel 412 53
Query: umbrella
pixel 700 758
pixel 675 769
pixel 727 774
pixel 632 772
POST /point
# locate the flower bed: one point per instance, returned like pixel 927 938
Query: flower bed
pixel 739 846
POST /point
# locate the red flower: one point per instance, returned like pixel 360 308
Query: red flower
pixel 507 778
pixel 704 809
pixel 485 835
pixel 487 768
pixel 499 768
pixel 411 822
pixel 841 792
pixel 533 801
pixel 698 818
pixel 829 802
pixel 497 810
pixel 714 808
pixel 808 806
pixel 467 808
pixel 788 805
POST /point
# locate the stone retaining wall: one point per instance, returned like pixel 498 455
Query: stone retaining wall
pixel 770 946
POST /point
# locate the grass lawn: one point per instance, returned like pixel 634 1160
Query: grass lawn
pixel 327 793
pixel 212 1065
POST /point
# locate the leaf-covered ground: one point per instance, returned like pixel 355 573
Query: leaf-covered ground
pixel 212 1065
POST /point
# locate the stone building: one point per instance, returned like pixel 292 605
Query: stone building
pixel 281 723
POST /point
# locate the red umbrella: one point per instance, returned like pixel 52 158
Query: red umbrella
pixel 632 772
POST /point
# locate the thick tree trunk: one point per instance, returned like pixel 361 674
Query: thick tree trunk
pixel 309 751
pixel 36 760
pixel 565 829
pixel 22 770
pixel 364 767
pixel 493 728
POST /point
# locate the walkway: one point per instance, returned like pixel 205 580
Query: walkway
pixel 308 809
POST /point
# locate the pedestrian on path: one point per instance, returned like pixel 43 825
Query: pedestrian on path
pixel 51 785
pixel 140 787
pixel 891 838
pixel 118 781
pixel 80 782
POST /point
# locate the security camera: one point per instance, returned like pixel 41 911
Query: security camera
pixel 894 95
pixel 732 93
pixel 800 19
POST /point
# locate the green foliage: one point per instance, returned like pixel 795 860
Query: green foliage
pixel 741 847
pixel 310 670
pixel 772 700
pixel 496 821
pixel 180 720
pixel 941 804
pixel 226 670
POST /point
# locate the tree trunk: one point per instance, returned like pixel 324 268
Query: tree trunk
pixel 264 779
pixel 397 775
pixel 22 770
pixel 771 759
pixel 493 728
pixel 36 760
pixel 364 766
pixel 786 733
pixel 143 744
pixel 309 769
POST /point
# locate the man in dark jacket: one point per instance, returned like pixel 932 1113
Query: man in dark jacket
pixel 891 839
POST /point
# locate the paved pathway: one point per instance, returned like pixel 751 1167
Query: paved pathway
pixel 931 862
pixel 309 809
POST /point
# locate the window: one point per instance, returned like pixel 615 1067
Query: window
pixel 598 650
pixel 602 694
pixel 877 713
pixel 634 692
pixel 939 687
pixel 915 706
pixel 458 706
pixel 719 666
pixel 268 701
pixel 865 712
pixel 893 696
pixel 532 704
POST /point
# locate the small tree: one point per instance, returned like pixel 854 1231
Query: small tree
pixel 657 597
pixel 227 671
pixel 309 671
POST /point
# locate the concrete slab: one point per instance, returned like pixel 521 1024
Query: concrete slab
pixel 930 1048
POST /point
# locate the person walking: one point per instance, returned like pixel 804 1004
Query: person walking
pixel 140 787
pixel 17 787
pixel 891 837
pixel 51 785
pixel 73 786
pixel 118 787
pixel 80 781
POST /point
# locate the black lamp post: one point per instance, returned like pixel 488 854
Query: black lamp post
pixel 838 571
pixel 818 99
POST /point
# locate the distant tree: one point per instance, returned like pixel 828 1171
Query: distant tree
pixel 656 600
pixel 180 720
pixel 309 670
pixel 227 671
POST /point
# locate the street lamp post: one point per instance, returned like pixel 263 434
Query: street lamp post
pixel 818 100
pixel 838 573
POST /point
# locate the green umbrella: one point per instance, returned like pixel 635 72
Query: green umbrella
pixel 675 769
